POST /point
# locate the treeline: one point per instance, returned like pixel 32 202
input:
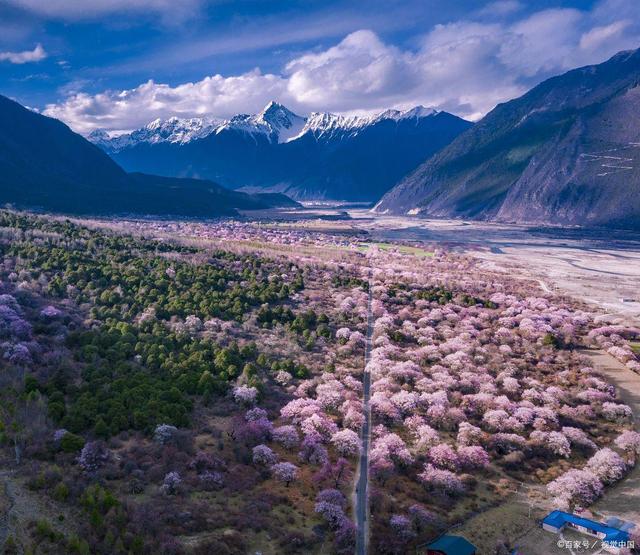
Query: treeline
pixel 143 360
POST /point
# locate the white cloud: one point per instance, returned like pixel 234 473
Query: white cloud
pixel 543 42
pixel 465 67
pixel 24 57
pixel 598 36
pixel 73 10
pixel 360 70
pixel 462 71
pixel 132 108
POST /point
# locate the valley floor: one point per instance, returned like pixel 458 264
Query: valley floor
pixel 599 267
pixel 488 349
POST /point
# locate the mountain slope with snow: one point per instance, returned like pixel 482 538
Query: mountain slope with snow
pixel 172 130
pixel 323 156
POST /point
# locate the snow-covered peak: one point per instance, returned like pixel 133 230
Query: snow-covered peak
pixel 176 130
pixel 275 121
pixel 323 124
pixel 99 136
pixel 420 112
pixel 276 114
pixel 157 123
pixel 417 112
pixel 172 130
pixel 103 139
pixel 283 121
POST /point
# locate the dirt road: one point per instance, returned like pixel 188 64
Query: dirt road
pixel 362 493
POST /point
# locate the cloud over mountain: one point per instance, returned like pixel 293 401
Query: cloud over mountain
pixel 465 67
pixel 132 108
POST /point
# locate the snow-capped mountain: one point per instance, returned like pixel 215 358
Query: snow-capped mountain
pixel 45 165
pixel 323 155
pixel 275 121
pixel 323 124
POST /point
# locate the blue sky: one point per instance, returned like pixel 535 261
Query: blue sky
pixel 117 64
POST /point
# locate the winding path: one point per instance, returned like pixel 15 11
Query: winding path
pixel 362 484
pixel 5 515
pixel 544 286
pixel 623 498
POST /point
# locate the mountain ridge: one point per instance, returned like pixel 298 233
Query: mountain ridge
pixel 322 156
pixel 270 121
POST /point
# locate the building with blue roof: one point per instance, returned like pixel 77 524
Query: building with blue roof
pixel 614 534
pixel 450 545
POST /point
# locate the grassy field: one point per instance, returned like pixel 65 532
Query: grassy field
pixel 402 249
pixel 509 521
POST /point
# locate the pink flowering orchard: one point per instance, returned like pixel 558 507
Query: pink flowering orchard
pixel 319 277
pixel 483 390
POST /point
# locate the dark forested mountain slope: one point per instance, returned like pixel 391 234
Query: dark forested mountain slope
pixel 43 164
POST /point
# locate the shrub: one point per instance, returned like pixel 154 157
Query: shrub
pixel 61 492
pixel 171 483
pixel 264 456
pixel 71 443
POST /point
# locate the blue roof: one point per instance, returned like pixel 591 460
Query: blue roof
pixel 453 545
pixel 558 519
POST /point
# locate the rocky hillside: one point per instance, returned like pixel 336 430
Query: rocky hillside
pixel 567 152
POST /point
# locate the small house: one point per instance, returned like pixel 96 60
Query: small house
pixel 613 537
